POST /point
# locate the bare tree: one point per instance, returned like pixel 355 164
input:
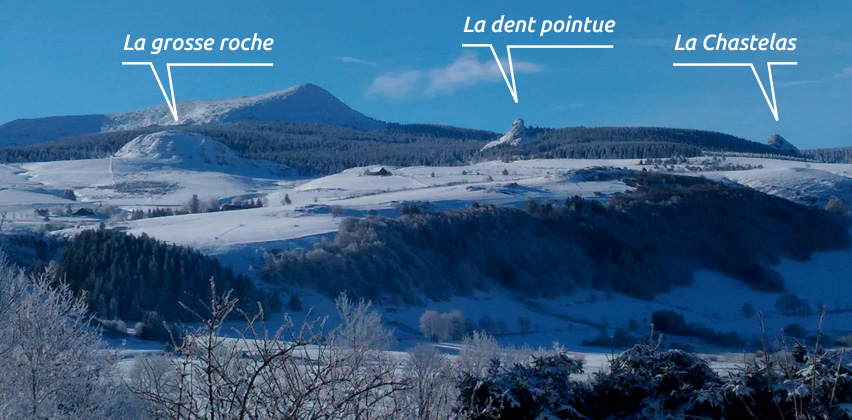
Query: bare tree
pixel 336 211
pixel 53 363
pixel 479 350
pixel 294 373
pixel 434 326
pixel 431 377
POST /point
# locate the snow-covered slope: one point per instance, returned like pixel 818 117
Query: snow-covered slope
pixel 178 146
pixel 191 151
pixel 807 186
pixel 303 103
pixel 166 169
pixel 162 169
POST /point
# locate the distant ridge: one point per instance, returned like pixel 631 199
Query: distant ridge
pixel 623 143
pixel 315 148
pixel 307 103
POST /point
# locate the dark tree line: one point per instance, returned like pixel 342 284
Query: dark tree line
pixel 88 146
pixel 325 149
pixel 311 148
pixel 639 244
pixel 600 150
pixel 670 322
pixel 322 149
pixel 125 276
pixel 833 155
pixel 625 142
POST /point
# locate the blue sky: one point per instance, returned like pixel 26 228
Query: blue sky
pixel 403 61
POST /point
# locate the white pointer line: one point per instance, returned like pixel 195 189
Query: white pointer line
pixel 511 85
pixel 773 105
pixel 172 104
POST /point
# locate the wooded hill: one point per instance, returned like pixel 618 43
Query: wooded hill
pixel 314 149
pixel 317 149
pixel 625 143
pixel 639 244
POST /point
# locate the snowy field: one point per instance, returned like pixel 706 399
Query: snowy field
pixel 166 170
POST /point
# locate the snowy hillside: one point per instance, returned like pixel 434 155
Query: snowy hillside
pixel 162 169
pixel 166 169
pixel 803 185
pixel 178 146
pixel 177 149
pixel 303 103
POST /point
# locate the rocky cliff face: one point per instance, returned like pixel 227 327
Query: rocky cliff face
pixel 516 135
pixel 778 142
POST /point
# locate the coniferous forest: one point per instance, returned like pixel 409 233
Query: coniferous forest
pixel 124 276
pixel 625 143
pixel 639 244
pixel 832 155
pixel 317 149
pixel 311 148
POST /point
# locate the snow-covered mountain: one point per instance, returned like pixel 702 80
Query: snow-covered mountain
pixel 516 135
pixel 303 103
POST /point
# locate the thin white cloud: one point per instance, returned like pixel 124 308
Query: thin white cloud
pixel 798 83
pixel 396 86
pixel 573 105
pixel 356 60
pixel 466 71
pixel 844 73
pixel 847 72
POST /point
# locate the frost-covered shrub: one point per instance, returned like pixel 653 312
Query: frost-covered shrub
pixel 540 389
pixel 115 325
pixel 646 382
pixel 801 385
